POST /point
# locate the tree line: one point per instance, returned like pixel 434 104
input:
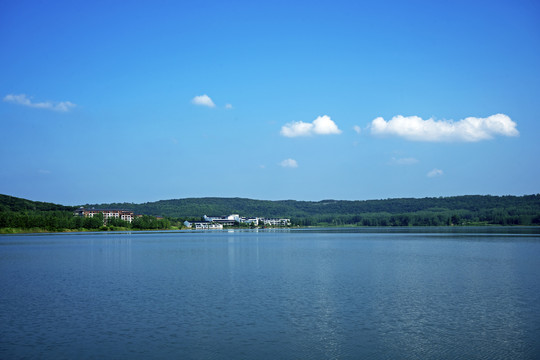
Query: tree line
pixel 424 218
pixel 16 213
pixel 11 221
pixel 476 205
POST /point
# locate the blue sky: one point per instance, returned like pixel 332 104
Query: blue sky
pixel 109 101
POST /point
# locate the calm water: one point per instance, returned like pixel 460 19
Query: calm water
pixel 383 294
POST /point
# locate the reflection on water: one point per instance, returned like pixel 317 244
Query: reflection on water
pixel 266 294
pixel 112 253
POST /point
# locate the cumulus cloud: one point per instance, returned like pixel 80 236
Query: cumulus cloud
pixel 357 128
pixel 470 129
pixel 228 106
pixel 289 163
pixel 404 161
pixel 22 99
pixel 435 173
pixel 203 100
pixel 322 125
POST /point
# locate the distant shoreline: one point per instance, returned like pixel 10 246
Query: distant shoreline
pixel 16 231
pixel 25 216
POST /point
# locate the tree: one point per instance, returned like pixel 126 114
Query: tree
pixel 94 222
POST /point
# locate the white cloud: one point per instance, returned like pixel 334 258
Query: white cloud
pixel 62 106
pixel 289 163
pixel 469 129
pixel 322 125
pixel 404 161
pixel 228 106
pixel 357 128
pixel 203 100
pixel 435 173
pixel 298 128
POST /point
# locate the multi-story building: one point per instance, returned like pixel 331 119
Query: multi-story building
pixel 203 225
pixel 276 222
pixel 125 215
pixel 251 220
pixel 236 219
pixel 224 220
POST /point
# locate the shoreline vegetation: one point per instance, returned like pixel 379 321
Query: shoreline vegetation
pixel 25 216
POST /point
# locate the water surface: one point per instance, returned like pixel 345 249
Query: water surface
pixel 312 294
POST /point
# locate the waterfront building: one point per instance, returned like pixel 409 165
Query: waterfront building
pixel 276 222
pixel 224 220
pixel 235 219
pixel 251 220
pixel 203 225
pixel 125 215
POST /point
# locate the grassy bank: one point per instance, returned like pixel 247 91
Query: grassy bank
pixel 103 228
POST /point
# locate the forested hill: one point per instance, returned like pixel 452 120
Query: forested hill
pixel 11 203
pixel 197 207
pixel 456 210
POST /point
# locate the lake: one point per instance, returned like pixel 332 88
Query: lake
pixel 405 293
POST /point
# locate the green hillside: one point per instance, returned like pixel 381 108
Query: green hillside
pixel 443 211
pixel 21 215
pixel 12 203
pixel 196 207
pixel 504 210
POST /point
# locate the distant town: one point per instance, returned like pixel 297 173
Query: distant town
pixel 218 222
pixel 207 222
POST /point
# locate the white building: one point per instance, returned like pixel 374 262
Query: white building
pixel 203 225
pixel 252 220
pixel 234 219
pixel 276 222
pixel 224 220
